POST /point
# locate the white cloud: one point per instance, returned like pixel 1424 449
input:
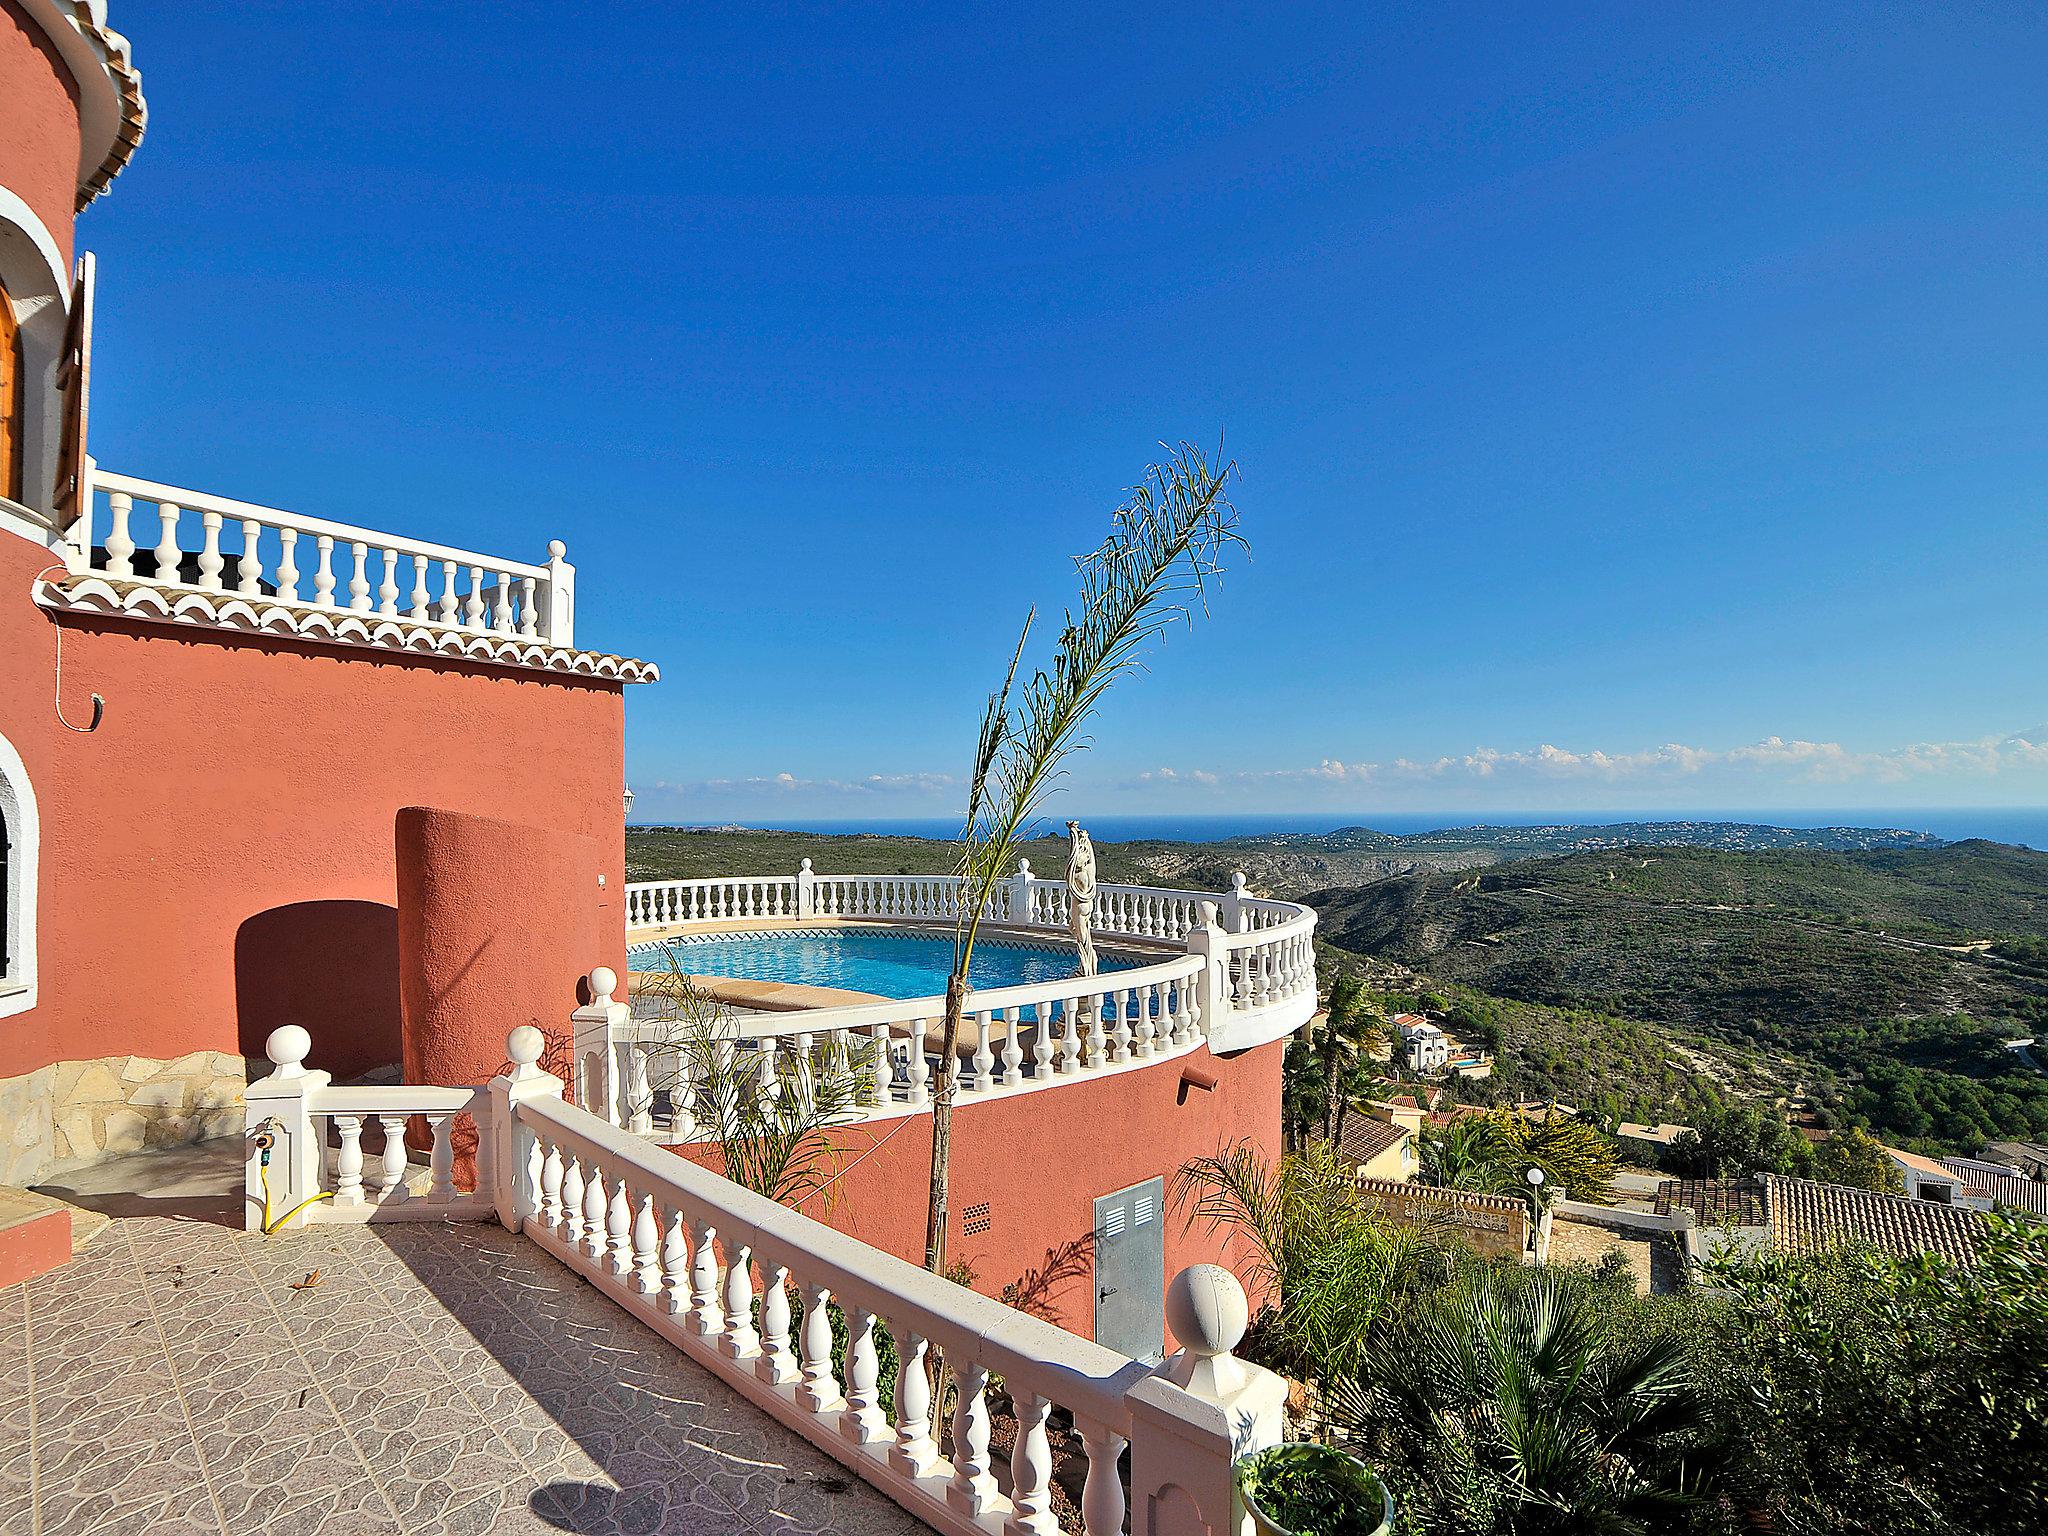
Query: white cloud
pixel 1774 758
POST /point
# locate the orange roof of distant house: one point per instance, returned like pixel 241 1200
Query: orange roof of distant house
pixel 1925 1165
pixel 1365 1139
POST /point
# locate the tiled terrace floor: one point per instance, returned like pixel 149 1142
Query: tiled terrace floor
pixel 180 1377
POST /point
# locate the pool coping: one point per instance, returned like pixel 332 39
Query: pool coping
pixel 798 997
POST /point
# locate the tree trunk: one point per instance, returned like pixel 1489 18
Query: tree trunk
pixel 1337 1131
pixel 942 1125
pixel 1330 1085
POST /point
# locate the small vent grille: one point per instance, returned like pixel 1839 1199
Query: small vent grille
pixel 974 1220
pixel 1113 1223
pixel 1142 1211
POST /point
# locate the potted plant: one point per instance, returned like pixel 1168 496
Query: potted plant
pixel 1306 1489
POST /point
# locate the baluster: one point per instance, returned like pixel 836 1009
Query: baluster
pixel 1070 1045
pixel 770 1085
pixel 419 611
pixel 639 1095
pixel 1102 1496
pixel 348 1162
pixel 862 1421
pixel 1121 1002
pixel 682 1094
pixel 973 1489
pixel 915 1453
pixel 529 614
pixel 984 1058
pixel 1141 1026
pixel 359 579
pixel 551 1188
pixel 878 1069
pixel 675 1266
pixel 250 567
pixel 473 610
pixel 168 556
pixel 323 573
pixel 619 1228
pixel 445 612
pixel 920 1071
pixel 1041 1041
pixel 507 621
pixel 120 547
pixel 646 1249
pixel 705 1316
pixel 741 1341
pixel 777 1362
pixel 596 1211
pixel 572 1204
pixel 820 1391
pixel 391 1188
pixel 1031 1469
pixel 210 561
pixel 1013 1048
pixel 288 565
pixel 442 1160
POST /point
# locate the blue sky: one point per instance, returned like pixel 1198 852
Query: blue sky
pixel 1637 406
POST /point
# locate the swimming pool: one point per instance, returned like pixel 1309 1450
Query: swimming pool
pixel 887 962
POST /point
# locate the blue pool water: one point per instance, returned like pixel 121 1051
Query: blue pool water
pixel 886 964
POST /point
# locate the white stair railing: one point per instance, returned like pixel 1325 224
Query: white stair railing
pixel 747 1289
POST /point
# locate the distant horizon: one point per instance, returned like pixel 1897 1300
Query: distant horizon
pixel 2020 826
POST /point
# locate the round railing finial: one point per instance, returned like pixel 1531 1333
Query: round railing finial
pixel 1237 882
pixel 523 1047
pixel 288 1047
pixel 557 549
pixel 1024 867
pixel 805 866
pixel 604 981
pixel 1207 1311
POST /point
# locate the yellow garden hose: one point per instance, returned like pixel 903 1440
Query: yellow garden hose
pixel 270 1223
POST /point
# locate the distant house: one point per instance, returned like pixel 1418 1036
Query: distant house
pixel 1801 1216
pixel 1989 1186
pixel 1424 1047
pixel 1378 1149
pixel 2029 1159
pixel 1925 1178
pixel 1658 1137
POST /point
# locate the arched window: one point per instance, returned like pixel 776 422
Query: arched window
pixel 12 394
pixel 20 835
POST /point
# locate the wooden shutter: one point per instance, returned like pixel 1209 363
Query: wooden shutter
pixel 74 393
pixel 11 394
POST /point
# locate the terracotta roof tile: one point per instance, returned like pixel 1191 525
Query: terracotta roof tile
pixel 1365 1138
pixel 1713 1201
pixel 2006 1189
pixel 1804 1215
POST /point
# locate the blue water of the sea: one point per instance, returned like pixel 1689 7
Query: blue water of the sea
pixel 2026 826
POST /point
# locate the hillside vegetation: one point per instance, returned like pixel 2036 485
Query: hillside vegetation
pixel 1883 980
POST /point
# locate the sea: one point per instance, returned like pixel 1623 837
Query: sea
pixel 2024 826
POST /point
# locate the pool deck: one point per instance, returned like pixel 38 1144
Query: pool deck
pixel 183 1377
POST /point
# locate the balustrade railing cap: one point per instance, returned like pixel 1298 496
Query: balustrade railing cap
pixel 525 1045
pixel 604 981
pixel 1237 882
pixel 1207 1310
pixel 288 1047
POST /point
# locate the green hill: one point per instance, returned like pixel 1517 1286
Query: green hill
pixel 1886 979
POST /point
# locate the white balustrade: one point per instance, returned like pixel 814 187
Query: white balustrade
pixel 384 576
pixel 646 1229
pixel 320 1146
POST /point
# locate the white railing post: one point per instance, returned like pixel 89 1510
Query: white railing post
pixel 1019 908
pixel 1211 984
pixel 1199 1413
pixel 806 890
pixel 561 620
pixel 280 1107
pixel 515 1156
pixel 604 1084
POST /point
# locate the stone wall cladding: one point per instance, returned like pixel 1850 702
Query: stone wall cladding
pixel 77 1113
